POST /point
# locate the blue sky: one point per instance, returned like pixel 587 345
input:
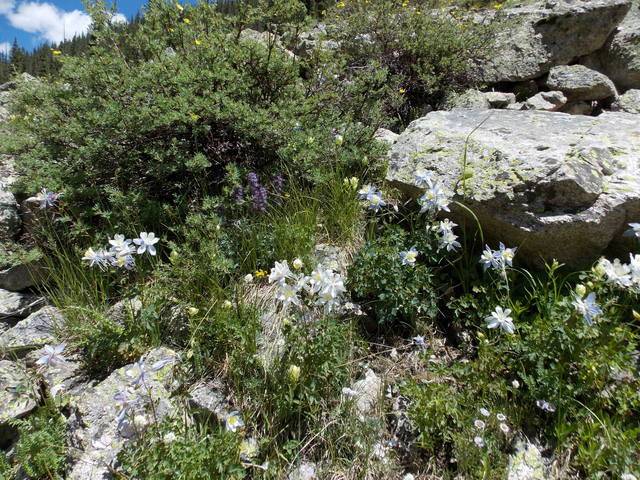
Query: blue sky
pixel 33 22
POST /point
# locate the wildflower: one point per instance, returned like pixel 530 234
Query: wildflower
pixel 375 201
pixel 500 318
pixel 146 243
pixel 187 21
pixel 628 476
pixel 616 272
pixel 506 255
pixel 248 278
pixel 260 273
pixel 479 441
pixel 423 178
pixel 288 295
pixel 317 279
pixel 124 259
pixel 140 422
pixel 119 243
pixel 515 384
pixel 298 264
pixel 227 304
pixel 139 373
pixel 546 406
pixel 581 290
pixel 56 52
pixel 294 373
pixel 169 438
pixel 434 199
pixel 484 412
pixel 379 451
pixel 234 422
pixel 351 182
pixel 504 427
pixel 333 285
pixel 634 266
pixel 419 342
pixel 349 392
pixel 634 231
pixel 402 91
pixel 501 417
pixel 280 273
pixel 449 241
pixel 409 257
pixel 479 424
pixel 192 311
pixel 365 191
pixel 179 7
pixel 339 139
pixel 52 355
pixel 306 471
pixel 48 199
pixel 258 192
pixel 174 256
pixel 101 258
pixel 587 307
pixel 197 42
pixel 487 258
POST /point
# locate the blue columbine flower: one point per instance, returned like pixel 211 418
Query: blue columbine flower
pixel 587 307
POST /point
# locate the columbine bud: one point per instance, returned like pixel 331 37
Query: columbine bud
pixel 294 373
pixel 339 140
pixel 174 256
pixel 192 311
pixel 298 264
pixel 636 315
pixel 581 290
pixel 227 304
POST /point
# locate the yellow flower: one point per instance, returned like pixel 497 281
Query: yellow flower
pixel 172 30
pixel 56 52
pixel 498 6
pixel 340 5
pixel 294 373
pixel 402 91
pixel 260 274
pixel 197 42
pixel 194 116
pixel 187 21
pixel 192 311
pixel 179 7
pixel 405 3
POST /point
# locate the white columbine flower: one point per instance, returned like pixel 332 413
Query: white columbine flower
pixel 47 198
pixel 506 254
pixel 423 178
pixel 101 258
pixel 280 273
pixel 146 243
pixel 546 406
pixel 500 319
pixel 375 201
pixel 617 273
pixel 634 231
pixel 449 241
pixel 234 422
pixel 587 307
pixel 434 199
pixel 288 295
pixel 118 243
pixel 634 265
pixel 419 342
pixel 409 257
pixel 487 258
pixel 52 355
pixel 365 191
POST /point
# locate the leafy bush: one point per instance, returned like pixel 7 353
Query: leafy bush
pixel 425 52
pixel 146 123
pixel 393 293
pixel 173 451
pixel 41 448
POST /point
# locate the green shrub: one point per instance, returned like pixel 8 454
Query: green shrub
pixel 194 454
pixel 393 293
pixel 41 450
pixel 425 52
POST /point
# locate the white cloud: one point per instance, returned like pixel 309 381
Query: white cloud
pixel 5 48
pixel 6 6
pixel 48 21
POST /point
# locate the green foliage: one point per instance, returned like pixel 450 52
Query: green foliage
pixel 195 453
pixel 425 53
pixel 393 293
pixel 41 450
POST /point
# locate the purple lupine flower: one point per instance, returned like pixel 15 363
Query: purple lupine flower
pixel 258 192
pixel 278 183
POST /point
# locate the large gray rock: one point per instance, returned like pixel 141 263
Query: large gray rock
pixel 15 306
pixel 533 38
pixel 9 218
pixel 527 463
pixel 555 185
pixel 96 434
pixel 22 276
pixel 31 333
pixel 578 82
pixel 545 101
pixel 476 99
pixel 18 397
pixel 619 58
pixel 629 102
